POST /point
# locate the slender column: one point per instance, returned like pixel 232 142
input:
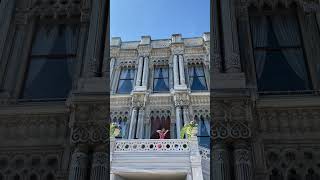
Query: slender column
pixel 178 121
pixel 145 72
pixel 132 130
pixel 175 70
pixel 112 62
pixel 186 115
pixel 115 80
pixel 95 33
pixel 6 9
pixel 78 167
pixel 243 165
pixel 100 166
pixel 181 67
pixel 172 129
pixel 230 37
pixel 139 74
pixel 140 124
pixel 220 162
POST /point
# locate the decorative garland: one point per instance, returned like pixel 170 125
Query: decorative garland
pixel 187 129
pixel 114 130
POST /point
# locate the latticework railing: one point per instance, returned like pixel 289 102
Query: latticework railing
pixel 205 153
pixel 152 145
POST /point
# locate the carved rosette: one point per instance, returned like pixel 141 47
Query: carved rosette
pixel 182 99
pixel 139 100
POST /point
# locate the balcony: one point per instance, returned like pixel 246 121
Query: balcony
pixel 165 157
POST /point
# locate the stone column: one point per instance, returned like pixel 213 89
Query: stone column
pixel 186 115
pixel 145 72
pixel 79 166
pixel 93 49
pixel 242 162
pixel 112 63
pixel 6 11
pixel 139 73
pixel 230 37
pixel 215 41
pixel 115 79
pixel 100 166
pixel 172 129
pixel 140 126
pixel 133 122
pixel 181 67
pixel 178 121
pixel 175 71
pixel 220 162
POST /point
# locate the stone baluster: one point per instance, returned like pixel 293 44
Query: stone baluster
pixel 139 73
pixel 178 121
pixel 140 126
pixel 78 166
pixel 230 37
pixel 133 122
pixel 242 162
pixel 145 72
pixel 181 68
pixel 220 162
pixel 175 71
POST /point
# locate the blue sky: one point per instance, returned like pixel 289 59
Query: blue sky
pixel 131 19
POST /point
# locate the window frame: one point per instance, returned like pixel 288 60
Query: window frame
pixel 286 12
pixel 204 76
pixel 38 24
pixel 153 79
pixel 119 79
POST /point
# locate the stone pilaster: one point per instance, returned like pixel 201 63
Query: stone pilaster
pixel 79 166
pixel 242 162
pixel 220 162
pixel 195 158
pixel 186 115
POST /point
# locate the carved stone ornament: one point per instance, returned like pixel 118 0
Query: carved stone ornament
pixel 181 99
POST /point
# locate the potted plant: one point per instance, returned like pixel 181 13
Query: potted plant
pixel 114 130
pixel 189 129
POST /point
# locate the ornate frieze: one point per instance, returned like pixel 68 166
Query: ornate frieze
pixel 181 98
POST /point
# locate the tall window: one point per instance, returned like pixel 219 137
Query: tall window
pixel 52 60
pixel 125 84
pixel 197 79
pixel 279 57
pixel 161 79
pixel 203 131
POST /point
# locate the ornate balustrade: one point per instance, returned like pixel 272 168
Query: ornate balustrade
pixel 152 145
pixel 205 153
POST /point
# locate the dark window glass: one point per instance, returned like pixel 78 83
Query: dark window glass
pixel 51 62
pixel 279 57
pixel 203 131
pixel 197 79
pixel 161 79
pixel 125 84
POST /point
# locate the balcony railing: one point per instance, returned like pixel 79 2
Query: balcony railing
pixel 152 145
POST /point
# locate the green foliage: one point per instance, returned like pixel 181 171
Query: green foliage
pixel 187 129
pixel 113 127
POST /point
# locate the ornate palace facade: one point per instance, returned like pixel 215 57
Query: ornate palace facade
pixel 264 94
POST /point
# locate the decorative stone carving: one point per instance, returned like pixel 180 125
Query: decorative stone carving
pixel 181 99
pixel 78 166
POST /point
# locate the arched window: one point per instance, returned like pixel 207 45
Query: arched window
pixel 157 123
pixel 278 51
pixel 197 79
pixel 161 79
pixel 125 84
pixel 52 60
